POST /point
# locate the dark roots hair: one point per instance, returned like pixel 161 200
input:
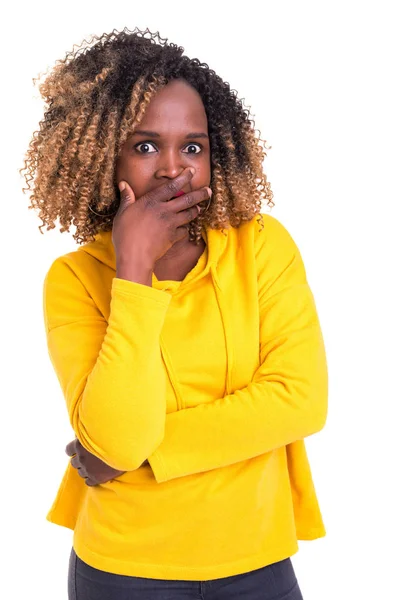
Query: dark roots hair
pixel 95 97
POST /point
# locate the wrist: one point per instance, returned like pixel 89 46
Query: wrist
pixel 136 271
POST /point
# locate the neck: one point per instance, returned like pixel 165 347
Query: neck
pixel 181 249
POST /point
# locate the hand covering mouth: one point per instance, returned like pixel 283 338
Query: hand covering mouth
pixel 180 193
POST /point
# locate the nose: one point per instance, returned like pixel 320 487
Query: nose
pixel 171 164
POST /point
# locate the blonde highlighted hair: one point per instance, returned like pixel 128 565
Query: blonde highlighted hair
pixel 94 98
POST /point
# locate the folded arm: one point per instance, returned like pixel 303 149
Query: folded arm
pixel 287 397
pixel 111 374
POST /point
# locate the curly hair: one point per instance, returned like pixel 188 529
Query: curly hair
pixel 94 99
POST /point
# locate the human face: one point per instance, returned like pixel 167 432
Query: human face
pixel 172 136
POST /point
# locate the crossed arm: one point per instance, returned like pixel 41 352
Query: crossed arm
pixel 285 401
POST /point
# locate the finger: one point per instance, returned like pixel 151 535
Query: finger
pixel 82 473
pixel 189 200
pixel 167 191
pixel 90 482
pixel 127 194
pixel 75 462
pixel 71 448
pixel 185 216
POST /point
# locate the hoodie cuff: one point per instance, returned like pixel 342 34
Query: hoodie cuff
pixel 133 289
pixel 157 465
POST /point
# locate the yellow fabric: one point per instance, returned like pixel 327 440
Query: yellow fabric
pixel 216 380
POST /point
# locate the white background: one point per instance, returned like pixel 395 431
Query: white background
pixel 321 79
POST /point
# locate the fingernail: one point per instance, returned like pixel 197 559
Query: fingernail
pixel 209 191
pixel 192 170
pixel 121 186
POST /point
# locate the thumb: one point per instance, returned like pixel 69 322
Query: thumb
pixel 127 195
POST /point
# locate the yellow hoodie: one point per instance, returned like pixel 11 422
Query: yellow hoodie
pixel 215 380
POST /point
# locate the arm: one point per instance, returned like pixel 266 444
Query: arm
pixel 111 374
pixel 287 398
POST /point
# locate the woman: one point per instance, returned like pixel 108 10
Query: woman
pixel 183 332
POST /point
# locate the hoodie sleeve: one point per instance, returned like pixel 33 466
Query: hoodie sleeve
pixel 287 397
pixel 111 374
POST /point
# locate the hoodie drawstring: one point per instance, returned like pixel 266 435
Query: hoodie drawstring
pixel 224 311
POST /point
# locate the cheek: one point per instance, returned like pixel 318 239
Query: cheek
pixel 202 176
pixel 134 172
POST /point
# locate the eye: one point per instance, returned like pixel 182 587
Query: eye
pixel 193 146
pixel 145 146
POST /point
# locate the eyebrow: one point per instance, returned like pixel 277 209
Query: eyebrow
pixel 154 134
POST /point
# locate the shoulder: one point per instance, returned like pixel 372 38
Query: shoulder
pixel 64 267
pixel 78 263
pixel 67 280
pixel 66 290
pixel 274 250
pixel 267 235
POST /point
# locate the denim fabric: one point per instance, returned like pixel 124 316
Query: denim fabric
pixel 273 582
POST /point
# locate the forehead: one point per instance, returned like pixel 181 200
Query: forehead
pixel 176 103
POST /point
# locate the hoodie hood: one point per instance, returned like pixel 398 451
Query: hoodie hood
pixel 102 249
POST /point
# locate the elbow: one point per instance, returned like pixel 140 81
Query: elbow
pixel 130 456
pixel 121 450
pixel 323 415
pixel 318 414
pixel 318 399
pixel 318 420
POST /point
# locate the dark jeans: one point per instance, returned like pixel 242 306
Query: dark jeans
pixel 273 582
